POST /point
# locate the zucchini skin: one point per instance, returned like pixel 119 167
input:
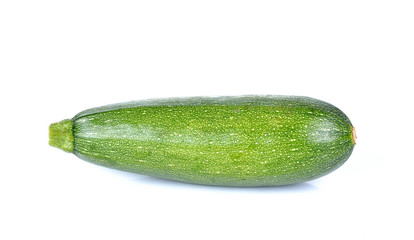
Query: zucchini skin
pixel 227 141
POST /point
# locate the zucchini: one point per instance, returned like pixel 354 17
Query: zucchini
pixel 225 141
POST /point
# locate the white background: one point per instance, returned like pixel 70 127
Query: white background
pixel 60 57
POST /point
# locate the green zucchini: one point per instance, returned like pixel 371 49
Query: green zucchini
pixel 225 141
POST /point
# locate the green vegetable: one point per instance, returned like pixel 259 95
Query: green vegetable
pixel 226 141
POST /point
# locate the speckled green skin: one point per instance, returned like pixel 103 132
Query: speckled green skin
pixel 226 141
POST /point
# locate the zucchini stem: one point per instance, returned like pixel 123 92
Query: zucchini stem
pixel 61 135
